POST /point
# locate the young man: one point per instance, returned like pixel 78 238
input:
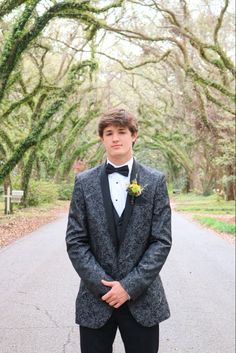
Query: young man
pixel 118 241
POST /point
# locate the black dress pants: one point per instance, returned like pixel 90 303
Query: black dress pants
pixel 136 338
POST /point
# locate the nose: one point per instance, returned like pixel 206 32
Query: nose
pixel 115 137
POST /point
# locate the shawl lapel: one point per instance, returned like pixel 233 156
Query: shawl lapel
pixel 108 205
pixel 128 206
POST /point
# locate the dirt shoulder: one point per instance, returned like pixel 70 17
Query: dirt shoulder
pixel 25 221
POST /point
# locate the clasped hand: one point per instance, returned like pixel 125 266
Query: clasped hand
pixel 116 296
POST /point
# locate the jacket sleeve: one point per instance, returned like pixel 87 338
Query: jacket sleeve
pixel 78 247
pixel 150 265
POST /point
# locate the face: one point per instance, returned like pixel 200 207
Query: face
pixel 118 142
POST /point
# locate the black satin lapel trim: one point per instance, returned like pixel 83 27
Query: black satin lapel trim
pixel 134 171
pixel 128 206
pixel 108 206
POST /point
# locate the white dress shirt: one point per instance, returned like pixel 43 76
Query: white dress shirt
pixel 118 187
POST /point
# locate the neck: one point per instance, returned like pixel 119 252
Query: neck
pixel 119 161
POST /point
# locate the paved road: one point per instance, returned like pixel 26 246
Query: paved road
pixel 38 289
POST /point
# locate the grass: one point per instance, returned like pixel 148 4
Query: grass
pixel 217 225
pixel 207 210
pixel 203 204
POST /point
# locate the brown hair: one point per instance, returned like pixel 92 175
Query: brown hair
pixel 120 117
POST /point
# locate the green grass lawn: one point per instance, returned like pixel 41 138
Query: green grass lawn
pixel 216 224
pixel 203 204
pixel 202 207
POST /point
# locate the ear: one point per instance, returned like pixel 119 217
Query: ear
pixel 134 137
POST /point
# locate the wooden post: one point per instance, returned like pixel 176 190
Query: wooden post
pixel 12 197
pixel 8 200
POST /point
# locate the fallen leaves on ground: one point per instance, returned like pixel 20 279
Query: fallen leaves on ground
pixel 25 221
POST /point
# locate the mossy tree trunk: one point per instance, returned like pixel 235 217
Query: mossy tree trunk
pixel 37 131
pixel 27 174
pixel 230 184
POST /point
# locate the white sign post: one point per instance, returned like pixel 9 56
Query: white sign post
pixel 14 197
pixel 8 196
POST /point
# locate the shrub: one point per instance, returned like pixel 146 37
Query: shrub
pixel 42 192
pixel 65 190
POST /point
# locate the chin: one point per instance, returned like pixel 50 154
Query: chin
pixel 117 153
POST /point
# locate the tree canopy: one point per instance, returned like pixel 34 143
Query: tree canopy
pixel 172 63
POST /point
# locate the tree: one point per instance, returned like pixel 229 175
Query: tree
pixel 186 64
pixel 35 103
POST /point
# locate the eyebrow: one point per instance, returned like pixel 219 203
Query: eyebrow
pixel 110 130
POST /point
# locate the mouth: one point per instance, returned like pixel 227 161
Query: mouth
pixel 116 146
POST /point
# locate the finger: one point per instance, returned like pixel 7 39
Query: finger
pixel 108 284
pixel 113 303
pixel 109 300
pixel 120 302
pixel 112 299
pixel 108 296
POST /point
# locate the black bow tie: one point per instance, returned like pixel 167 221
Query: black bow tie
pixel 122 170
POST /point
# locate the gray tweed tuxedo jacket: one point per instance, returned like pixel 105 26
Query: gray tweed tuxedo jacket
pixel 138 259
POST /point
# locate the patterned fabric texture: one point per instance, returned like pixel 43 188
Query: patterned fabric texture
pixel 136 262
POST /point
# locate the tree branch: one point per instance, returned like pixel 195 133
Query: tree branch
pixel 171 14
pixel 129 68
pixel 8 5
pixel 208 83
pixel 34 136
pixel 18 42
pixel 219 21
pixel 217 102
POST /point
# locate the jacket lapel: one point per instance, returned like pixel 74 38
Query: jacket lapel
pixel 129 207
pixel 108 205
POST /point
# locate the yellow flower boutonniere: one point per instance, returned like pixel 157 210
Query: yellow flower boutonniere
pixel 134 189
